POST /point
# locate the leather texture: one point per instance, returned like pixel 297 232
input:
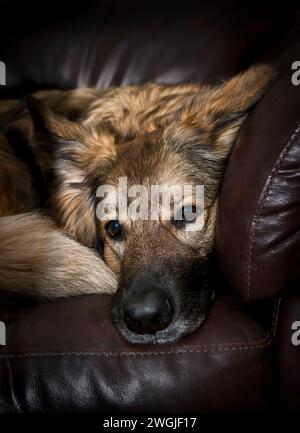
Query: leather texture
pixel 66 356
pixel 118 43
pixel 263 229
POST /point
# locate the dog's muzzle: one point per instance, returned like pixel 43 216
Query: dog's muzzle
pixel 153 308
pixel 147 311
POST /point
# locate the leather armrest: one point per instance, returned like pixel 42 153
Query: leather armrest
pixel 259 212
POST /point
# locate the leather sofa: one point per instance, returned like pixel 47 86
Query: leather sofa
pixel 65 355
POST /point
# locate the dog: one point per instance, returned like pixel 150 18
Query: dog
pixel 57 147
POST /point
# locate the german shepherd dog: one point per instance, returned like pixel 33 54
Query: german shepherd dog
pixel 57 147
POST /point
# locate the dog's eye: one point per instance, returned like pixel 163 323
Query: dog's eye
pixel 188 215
pixel 113 228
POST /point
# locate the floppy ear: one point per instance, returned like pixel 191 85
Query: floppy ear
pixel 85 147
pixel 220 112
pixel 48 125
pixel 74 154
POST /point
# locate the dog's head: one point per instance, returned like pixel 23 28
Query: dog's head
pixel 184 139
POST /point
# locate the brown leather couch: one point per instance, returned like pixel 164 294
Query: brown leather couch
pixel 66 356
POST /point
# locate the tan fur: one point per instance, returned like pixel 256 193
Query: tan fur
pixel 77 135
pixel 39 260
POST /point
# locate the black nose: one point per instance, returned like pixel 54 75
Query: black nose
pixel 147 311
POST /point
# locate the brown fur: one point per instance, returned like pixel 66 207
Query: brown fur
pixel 82 138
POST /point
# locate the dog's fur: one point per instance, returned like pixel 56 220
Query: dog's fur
pixel 55 154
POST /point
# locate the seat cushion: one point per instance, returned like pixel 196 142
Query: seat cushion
pixel 66 355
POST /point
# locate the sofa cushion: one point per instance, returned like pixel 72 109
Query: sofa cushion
pixel 67 356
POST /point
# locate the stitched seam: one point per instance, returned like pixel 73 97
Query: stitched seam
pixel 129 354
pixel 248 231
pixel 256 215
pixel 219 345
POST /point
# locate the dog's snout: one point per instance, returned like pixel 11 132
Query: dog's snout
pixel 147 312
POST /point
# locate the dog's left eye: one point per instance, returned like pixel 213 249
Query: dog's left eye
pixel 113 228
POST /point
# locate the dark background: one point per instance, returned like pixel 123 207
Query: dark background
pixel 70 44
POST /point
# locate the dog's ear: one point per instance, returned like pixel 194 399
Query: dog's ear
pixel 49 127
pixel 221 110
pixel 85 147
pixel 75 155
pixel 237 95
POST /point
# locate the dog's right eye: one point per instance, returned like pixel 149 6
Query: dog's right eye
pixel 187 215
pixel 113 228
